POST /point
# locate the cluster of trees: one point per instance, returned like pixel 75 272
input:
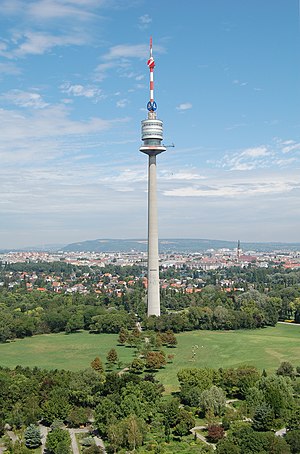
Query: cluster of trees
pixel 213 309
pixel 125 407
pixel 275 294
pixel 267 403
pixel 24 314
pixel 129 409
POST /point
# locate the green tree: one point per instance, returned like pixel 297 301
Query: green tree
pixel 135 431
pixel 116 435
pixel 293 439
pixel 58 442
pixel 263 417
pixel 254 398
pixel 57 407
pixel 226 446
pixel 137 366
pixel 185 422
pixel 123 336
pixel 32 436
pixel 286 369
pixel 112 356
pixel 213 400
pixel 278 393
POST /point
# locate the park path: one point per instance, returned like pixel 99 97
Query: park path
pixel 44 433
pixel 202 437
pixel 289 323
pixel 281 432
pixel 98 441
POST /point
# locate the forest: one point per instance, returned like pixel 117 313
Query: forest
pixel 259 298
pixel 225 410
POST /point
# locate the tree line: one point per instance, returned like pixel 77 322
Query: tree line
pixel 130 411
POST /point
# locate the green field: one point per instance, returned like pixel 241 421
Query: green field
pixel 61 351
pixel 264 348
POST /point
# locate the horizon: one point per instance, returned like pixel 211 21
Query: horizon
pixel 75 85
pixel 55 247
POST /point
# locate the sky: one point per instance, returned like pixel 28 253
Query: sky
pixel 74 85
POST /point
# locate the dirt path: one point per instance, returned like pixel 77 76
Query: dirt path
pixel 201 437
pixel 75 448
pixel 44 433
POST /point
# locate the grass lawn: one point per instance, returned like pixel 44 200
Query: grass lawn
pixel 264 348
pixel 60 351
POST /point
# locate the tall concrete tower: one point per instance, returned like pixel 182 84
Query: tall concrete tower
pixel 152 136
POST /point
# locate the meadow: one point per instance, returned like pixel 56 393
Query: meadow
pixel 264 348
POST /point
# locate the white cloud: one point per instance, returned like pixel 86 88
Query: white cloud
pixel 234 190
pixel 255 152
pixel 41 10
pixel 88 91
pixel 37 43
pixel 184 106
pixel 52 9
pixel 122 103
pixel 118 57
pixel 9 69
pixel 50 122
pixel 25 99
pixel 289 148
pixel 238 82
pixel 182 175
pixel 127 51
pixel 144 21
pixel 248 159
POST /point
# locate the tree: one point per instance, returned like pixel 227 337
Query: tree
pixel 32 436
pixel 58 442
pixel 112 356
pixel 93 450
pixel 227 447
pixel 56 407
pixel 137 366
pixel 155 360
pixel 97 365
pixel 263 417
pixel 293 439
pixel 185 422
pixel 286 369
pixel 78 416
pixel 293 420
pixel 213 400
pixel 135 431
pixel 215 432
pixel 171 411
pixel 123 336
pixel 254 398
pixel 115 435
pixel 278 393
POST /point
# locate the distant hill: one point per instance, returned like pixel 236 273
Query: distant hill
pixel 173 245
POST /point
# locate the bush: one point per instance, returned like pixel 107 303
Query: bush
pixel 32 436
pixel 215 433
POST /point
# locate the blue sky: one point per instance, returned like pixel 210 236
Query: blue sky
pixel 74 89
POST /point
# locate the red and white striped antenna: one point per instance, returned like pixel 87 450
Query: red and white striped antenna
pixel 151 106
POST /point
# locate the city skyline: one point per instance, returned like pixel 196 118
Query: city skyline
pixel 73 84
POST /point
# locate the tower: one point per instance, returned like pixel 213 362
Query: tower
pixel 152 136
pixel 238 251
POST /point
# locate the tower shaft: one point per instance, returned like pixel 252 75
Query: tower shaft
pixel 153 260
